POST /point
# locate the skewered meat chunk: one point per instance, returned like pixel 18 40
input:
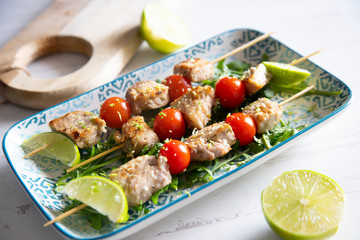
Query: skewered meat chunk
pixel 255 78
pixel 142 177
pixel 136 134
pixel 83 127
pixel 195 70
pixel 196 105
pixel 265 113
pixel 146 95
pixel 211 142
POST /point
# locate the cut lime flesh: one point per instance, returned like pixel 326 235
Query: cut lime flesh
pixel 61 147
pixel 101 194
pixel 285 74
pixel 162 29
pixel 303 205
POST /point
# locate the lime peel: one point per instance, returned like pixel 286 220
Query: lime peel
pixel 103 195
pixel 303 204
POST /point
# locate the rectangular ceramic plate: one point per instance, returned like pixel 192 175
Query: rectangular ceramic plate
pixel 39 175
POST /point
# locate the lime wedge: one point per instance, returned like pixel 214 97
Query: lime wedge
pixel 285 74
pixel 162 29
pixel 103 195
pixel 303 205
pixel 61 147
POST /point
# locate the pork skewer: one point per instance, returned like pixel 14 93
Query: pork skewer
pixel 134 136
pixel 140 178
pixel 197 70
pixel 266 113
pixel 136 175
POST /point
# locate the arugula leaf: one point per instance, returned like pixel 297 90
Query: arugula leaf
pixel 238 66
pixel 173 185
pixel 232 69
pixel 141 209
pixel 95 220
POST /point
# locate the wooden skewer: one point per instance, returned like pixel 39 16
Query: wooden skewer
pixel 65 214
pixel 36 150
pixel 296 95
pixel 95 157
pixel 242 47
pixel 306 57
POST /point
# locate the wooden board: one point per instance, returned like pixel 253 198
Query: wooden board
pixel 105 31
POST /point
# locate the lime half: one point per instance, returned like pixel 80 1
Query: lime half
pixel 101 194
pixel 162 29
pixel 303 204
pixel 60 147
pixel 285 74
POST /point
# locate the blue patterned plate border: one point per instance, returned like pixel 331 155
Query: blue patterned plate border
pixel 39 174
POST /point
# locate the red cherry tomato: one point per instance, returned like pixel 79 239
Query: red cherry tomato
pixel 169 123
pixel 230 91
pixel 178 85
pixel 177 154
pixel 243 126
pixel 115 111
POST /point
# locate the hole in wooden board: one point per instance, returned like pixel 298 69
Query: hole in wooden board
pixel 54 56
pixel 57 64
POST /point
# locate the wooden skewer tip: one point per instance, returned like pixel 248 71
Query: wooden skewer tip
pixel 302 92
pixel 36 150
pixel 65 214
pixel 242 47
pixel 297 61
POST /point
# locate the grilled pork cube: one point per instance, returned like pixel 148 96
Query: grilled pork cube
pixel 136 134
pixel 146 95
pixel 255 78
pixel 196 105
pixel 142 177
pixel 84 127
pixel 211 142
pixel 195 70
pixel 265 113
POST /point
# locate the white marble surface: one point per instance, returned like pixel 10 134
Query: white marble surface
pixel 233 212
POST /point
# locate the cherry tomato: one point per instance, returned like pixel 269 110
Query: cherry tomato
pixel 243 126
pixel 169 123
pixel 230 91
pixel 178 85
pixel 177 154
pixel 115 111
